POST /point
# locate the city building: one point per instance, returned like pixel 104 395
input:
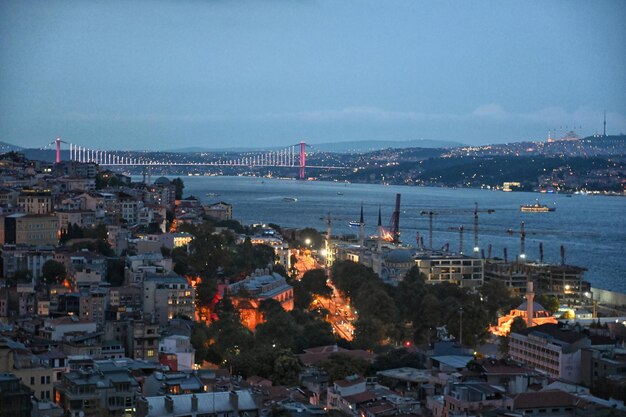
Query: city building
pixel 219 211
pixel 108 388
pixel 550 349
pixel 14 397
pixel 177 352
pixel 25 258
pixel 29 229
pixel 35 202
pixel 221 404
pixel 248 294
pixel 167 297
pixel 461 270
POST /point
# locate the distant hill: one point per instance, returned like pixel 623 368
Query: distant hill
pixel 374 145
pixel 357 146
pixel 7 147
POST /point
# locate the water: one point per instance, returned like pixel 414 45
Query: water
pixel 592 228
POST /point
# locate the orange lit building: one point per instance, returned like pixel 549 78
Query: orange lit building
pixel 248 294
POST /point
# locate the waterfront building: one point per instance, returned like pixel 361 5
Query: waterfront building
pixel 562 281
pixel 461 270
pixel 219 211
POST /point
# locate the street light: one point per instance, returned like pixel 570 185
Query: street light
pixel 307 241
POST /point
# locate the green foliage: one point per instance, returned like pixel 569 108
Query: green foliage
pixel 205 292
pixel 179 187
pixel 286 369
pixel 53 272
pixel 316 238
pixel 249 257
pixel 339 366
pixel 497 299
pixel 22 275
pixel 397 358
pixel 369 332
pixel 550 303
pixel 314 282
pixel 115 272
pixel 518 324
pixel 100 246
pixel 348 276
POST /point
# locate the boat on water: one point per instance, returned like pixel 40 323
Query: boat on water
pixel 354 223
pixel 536 208
pixel 339 193
pixel 212 194
pixel 290 199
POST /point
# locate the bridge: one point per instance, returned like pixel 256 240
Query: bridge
pixel 293 156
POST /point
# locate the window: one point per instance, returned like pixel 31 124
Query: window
pixel 150 353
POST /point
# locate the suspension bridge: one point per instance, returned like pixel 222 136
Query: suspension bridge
pixel 293 156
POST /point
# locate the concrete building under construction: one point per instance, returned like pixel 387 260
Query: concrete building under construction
pixel 562 281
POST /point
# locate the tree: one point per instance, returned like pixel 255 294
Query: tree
pixel 314 281
pixel 53 272
pixel 497 298
pixel 348 276
pixel 286 369
pixel 312 235
pixel 340 365
pixel 179 186
pixel 115 272
pixel 369 332
pixel 550 303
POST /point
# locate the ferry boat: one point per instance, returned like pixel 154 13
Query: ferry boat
pixel 290 199
pixel 354 223
pixel 536 208
pixel 212 194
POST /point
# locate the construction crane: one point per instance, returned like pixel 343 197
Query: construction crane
pixel 431 214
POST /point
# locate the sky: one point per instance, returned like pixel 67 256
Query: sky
pixel 262 73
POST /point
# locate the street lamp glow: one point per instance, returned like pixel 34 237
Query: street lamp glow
pixel 476 249
pixel 307 241
pixel 323 252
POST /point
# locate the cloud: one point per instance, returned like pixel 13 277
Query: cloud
pixel 354 114
pixel 490 110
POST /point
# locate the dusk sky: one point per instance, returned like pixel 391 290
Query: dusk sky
pixel 218 73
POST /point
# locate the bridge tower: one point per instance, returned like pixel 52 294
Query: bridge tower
pixel 302 159
pixel 57 141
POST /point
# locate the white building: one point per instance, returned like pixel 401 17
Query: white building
pixel 550 349
pixel 180 347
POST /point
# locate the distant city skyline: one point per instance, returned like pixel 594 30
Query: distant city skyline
pixel 167 75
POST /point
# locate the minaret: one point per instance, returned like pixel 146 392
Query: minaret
pixel 361 229
pixel 530 299
pixel 604 124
